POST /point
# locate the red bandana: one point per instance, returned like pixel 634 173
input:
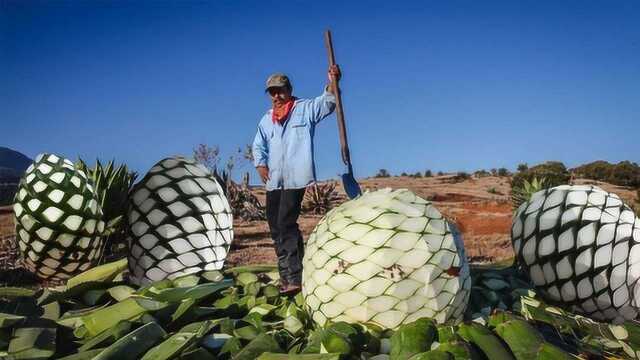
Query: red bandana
pixel 281 112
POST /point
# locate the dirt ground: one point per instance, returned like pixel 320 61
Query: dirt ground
pixel 479 207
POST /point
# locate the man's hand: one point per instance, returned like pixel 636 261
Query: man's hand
pixel 263 171
pixel 333 73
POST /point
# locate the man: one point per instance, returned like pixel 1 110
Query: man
pixel 284 158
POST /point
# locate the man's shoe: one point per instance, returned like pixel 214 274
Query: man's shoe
pixel 282 285
pixel 290 289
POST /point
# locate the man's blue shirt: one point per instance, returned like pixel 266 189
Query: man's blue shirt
pixel 287 149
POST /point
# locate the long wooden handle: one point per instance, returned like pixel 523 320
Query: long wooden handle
pixel 342 130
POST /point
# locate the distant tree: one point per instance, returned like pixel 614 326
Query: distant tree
pixel 494 172
pixel 523 167
pixel 382 173
pixel 427 173
pixel 418 174
pixel 440 173
pixel 209 156
pixel 503 172
pixel 403 174
pixel 481 173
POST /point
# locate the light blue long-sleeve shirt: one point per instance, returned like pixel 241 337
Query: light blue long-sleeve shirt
pixel 287 149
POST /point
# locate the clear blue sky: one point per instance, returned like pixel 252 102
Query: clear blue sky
pixel 441 85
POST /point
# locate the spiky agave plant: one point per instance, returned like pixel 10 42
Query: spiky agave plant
pixel 112 185
pixel 59 219
pixel 320 198
pixel 580 245
pixel 523 193
pixel 387 257
pixel 179 220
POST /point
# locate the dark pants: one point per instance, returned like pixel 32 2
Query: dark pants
pixel 283 209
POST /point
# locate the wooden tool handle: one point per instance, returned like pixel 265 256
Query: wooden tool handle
pixel 342 130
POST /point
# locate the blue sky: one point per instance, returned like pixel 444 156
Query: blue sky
pixel 441 85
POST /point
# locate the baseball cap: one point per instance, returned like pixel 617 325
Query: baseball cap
pixel 278 80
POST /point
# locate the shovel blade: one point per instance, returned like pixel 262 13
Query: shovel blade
pixel 350 185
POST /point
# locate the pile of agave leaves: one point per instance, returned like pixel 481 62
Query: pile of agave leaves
pixel 239 314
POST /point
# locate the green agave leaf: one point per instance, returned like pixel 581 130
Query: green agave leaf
pixel 275 356
pixel 485 340
pixel 186 281
pixel 73 318
pixel 107 337
pixel 432 355
pixel 84 355
pixel 263 309
pixel 33 341
pixel 261 344
pixel 252 269
pixel 231 347
pixel 413 338
pixel 12 292
pixel 7 320
pixel 248 332
pixel 212 276
pixel 198 353
pixel 105 318
pixel 121 292
pixel 184 306
pixel 170 347
pixel 215 341
pixel 134 344
pixel 526 342
pixel 102 273
pixel 246 278
pixel 293 325
pixel 194 292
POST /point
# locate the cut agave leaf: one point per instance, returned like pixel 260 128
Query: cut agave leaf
pixel 170 347
pixel 34 341
pixel 433 355
pixel 275 356
pixel 526 342
pixel 246 278
pixel 107 337
pixel 261 344
pixel 84 355
pixel 134 344
pixel 252 269
pixel 198 353
pixel 121 292
pixel 215 341
pixel 485 340
pixel 102 273
pixel 194 292
pixel 7 320
pixel 186 281
pixel 413 338
pixel 103 319
pixel 11 292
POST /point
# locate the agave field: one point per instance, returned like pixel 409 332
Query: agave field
pixel 239 314
pixel 385 276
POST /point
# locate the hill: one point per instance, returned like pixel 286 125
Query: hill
pixel 12 166
pixel 15 160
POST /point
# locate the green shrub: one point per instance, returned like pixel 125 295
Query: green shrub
pixel 503 172
pixel 624 173
pixel 382 173
pixel 550 173
pixel 481 173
